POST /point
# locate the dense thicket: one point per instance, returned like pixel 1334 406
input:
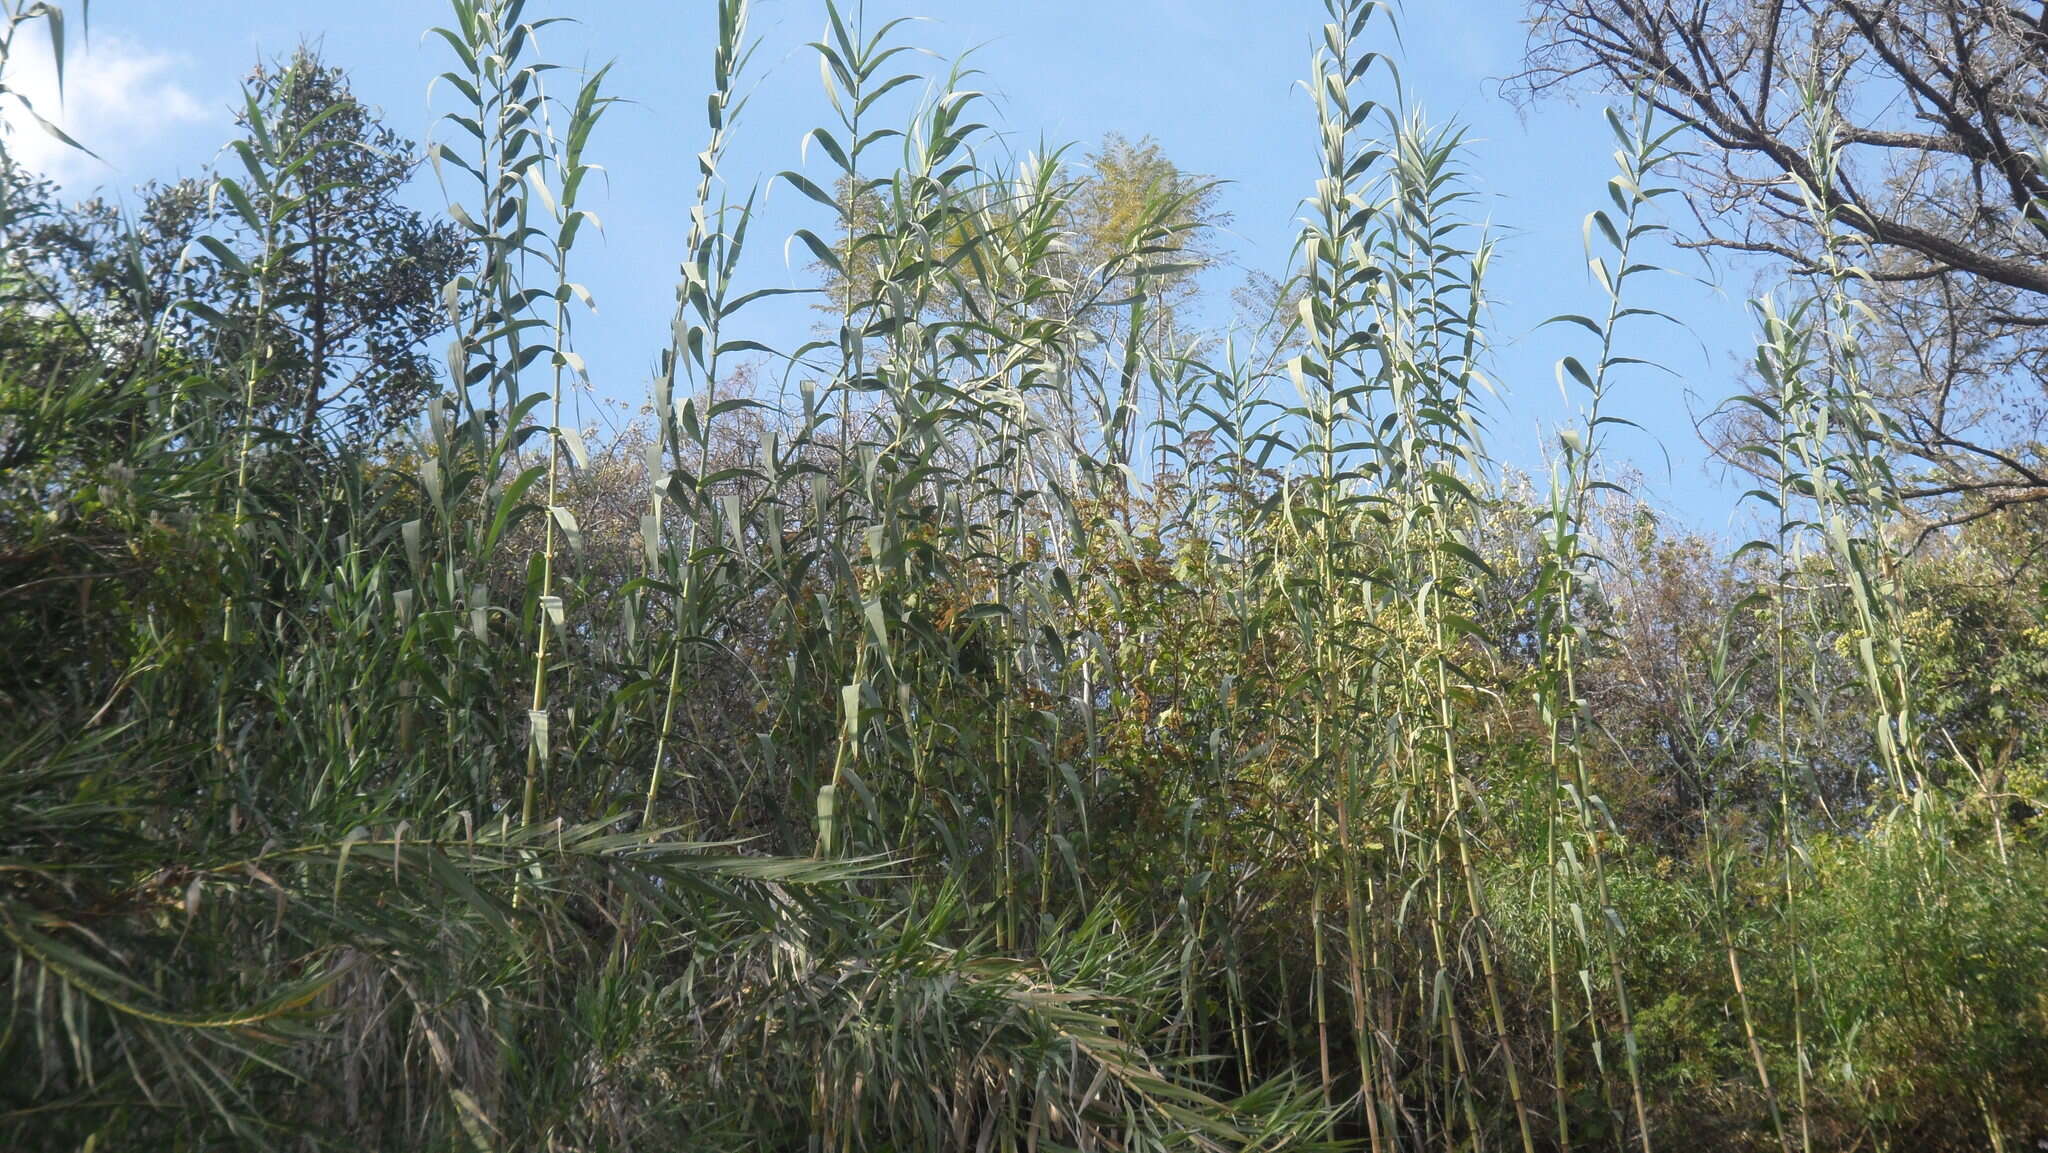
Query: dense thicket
pixel 1010 720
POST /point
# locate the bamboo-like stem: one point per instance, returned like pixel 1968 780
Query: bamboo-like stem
pixel 537 706
pixel 1641 152
pixel 1783 553
pixel 706 277
pixel 564 155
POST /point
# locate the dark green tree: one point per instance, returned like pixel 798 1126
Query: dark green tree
pixel 359 298
pixel 356 300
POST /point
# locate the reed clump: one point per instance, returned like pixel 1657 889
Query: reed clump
pixel 1010 719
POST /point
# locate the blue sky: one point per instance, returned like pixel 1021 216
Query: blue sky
pixel 1214 81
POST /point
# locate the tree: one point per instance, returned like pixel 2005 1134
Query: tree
pixel 359 297
pixel 1937 111
pixel 355 301
pixel 1132 187
pixel 1135 232
pixel 1122 190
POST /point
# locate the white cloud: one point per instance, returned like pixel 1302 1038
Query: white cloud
pixel 117 97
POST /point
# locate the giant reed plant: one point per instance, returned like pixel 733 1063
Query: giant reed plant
pixel 1613 241
pixel 1000 722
